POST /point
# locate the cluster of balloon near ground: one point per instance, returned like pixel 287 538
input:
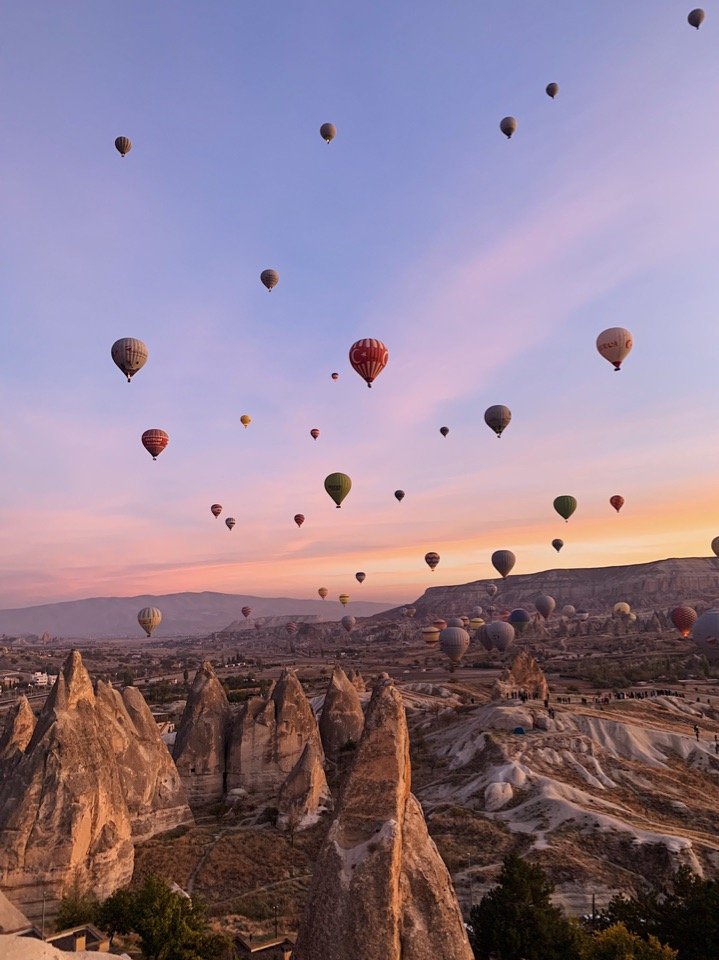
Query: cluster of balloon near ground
pixel 368 357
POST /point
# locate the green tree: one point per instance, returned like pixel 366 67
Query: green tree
pixel 76 908
pixel 115 914
pixel 618 943
pixel 517 921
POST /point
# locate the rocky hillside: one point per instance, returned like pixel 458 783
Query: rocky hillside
pixel 645 586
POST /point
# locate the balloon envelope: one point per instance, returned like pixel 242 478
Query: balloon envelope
pixel 360 576
pixel 269 278
pixel 149 619
pixel 344 599
pixel 614 345
pixel 348 623
pixel 453 642
pixel 684 619
pixel 431 559
pixel 130 355
pixel 497 418
pixel 155 441
pixel 216 509
pixel 621 609
pixel 245 420
pixel 299 519
pixel 328 131
pixel 545 605
pixel 123 145
pixel 399 495
pixel 503 561
pixel 492 589
pixel 706 633
pixel 715 545
pixel 230 522
pixel 369 358
pixel 314 433
pixel 508 126
pixel 335 376
pixel 568 610
pixel 455 622
pixel 444 431
pixel 323 591
pixel 338 485
pixel 557 544
pixel 439 624
pixel 565 506
pixel 246 611
pixel 519 618
pixel 617 502
pixel 695 19
pixel 552 90
pixel 430 635
pixel 500 634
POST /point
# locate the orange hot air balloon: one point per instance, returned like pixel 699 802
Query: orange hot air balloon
pixel 155 441
pixel 314 433
pixel 617 502
pixel 323 591
pixel 216 509
pixel 369 358
pixel 245 420
pixel 246 611
pixel 431 559
pixel 299 519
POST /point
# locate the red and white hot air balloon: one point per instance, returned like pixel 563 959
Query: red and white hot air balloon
pixel 369 358
pixel 155 441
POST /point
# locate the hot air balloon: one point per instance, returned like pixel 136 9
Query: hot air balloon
pixel 476 622
pixel 431 559
pixel 360 577
pixel 291 628
pixel 453 642
pixel 314 433
pixel 348 623
pixel 149 619
pixel 477 612
pixel 399 495
pixel 715 545
pixel 246 611
pixel 706 633
pixel 430 635
pixel 216 510
pixel 455 622
pixel 497 418
pixel 269 278
pixel 552 90
pixel 565 506
pixel 299 519
pixel 130 355
pixel 582 615
pixel 344 599
pixel 245 420
pixel 335 376
pixel 508 126
pixel 230 522
pixel 617 502
pixel 568 610
pixel 557 544
pixel 695 19
pixel 444 431
pixel 621 609
pixel 369 358
pixel 503 561
pixel 155 441
pixel 545 605
pixel 492 589
pixel 500 634
pixel 481 637
pixel 614 345
pixel 519 618
pixel 323 591
pixel 338 485
pixel 328 131
pixel 683 619
pixel 123 145
pixel 439 623
pixel 409 611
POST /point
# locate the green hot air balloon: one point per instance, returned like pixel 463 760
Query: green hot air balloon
pixel 565 506
pixel 338 485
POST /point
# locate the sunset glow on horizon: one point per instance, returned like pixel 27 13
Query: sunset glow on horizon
pixel 488 267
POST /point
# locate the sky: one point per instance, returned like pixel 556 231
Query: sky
pixel 487 266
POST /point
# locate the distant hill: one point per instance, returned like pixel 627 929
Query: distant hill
pixel 660 584
pixel 183 614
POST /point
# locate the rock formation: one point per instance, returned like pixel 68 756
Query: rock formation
pixel 380 890
pixel 201 742
pixel 151 783
pixel 16 734
pixel 63 815
pixel 269 736
pixel 357 680
pixel 342 719
pixel 524 677
pixel 304 794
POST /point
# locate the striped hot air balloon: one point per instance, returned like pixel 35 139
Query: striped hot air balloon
pixel 299 519
pixel 431 559
pixel 269 278
pixel 246 611
pixel 453 642
pixel 130 355
pixel 155 441
pixel 123 145
pixel 149 619
pixel 314 433
pixel 503 561
pixel 216 510
pixel 348 623
pixel 360 576
pixel 369 358
pixel 430 635
pixel 344 599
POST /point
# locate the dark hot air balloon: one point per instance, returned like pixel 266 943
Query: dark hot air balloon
pixel 216 509
pixel 497 418
pixel 455 622
pixel 431 559
pixel 500 634
pixel 503 561
pixel 130 355
pixel 695 19
pixel 492 589
pixel 246 611
pixel 557 544
pixel 715 545
pixel 348 623
pixel 360 577
pixel 545 605
pixel 335 376
pixel 552 90
pixel 683 619
pixel 338 485
pixel 123 145
pixel 230 522
pixel 369 358
pixel 314 433
pixel 617 502
pixel 323 591
pixel 328 131
pixel 269 278
pixel 706 634
pixel 519 618
pixel 508 126
pixel 155 441
pixel 399 495
pixel 439 623
pixel 453 642
pixel 444 431
pixel 565 506
pixel 299 519
pixel 291 628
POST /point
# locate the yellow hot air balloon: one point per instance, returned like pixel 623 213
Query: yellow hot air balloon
pixel 149 619
pixel 622 609
pixel 245 420
pixel 344 599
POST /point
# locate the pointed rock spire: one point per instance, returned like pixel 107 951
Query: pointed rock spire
pixel 304 794
pixel 17 730
pixel 342 719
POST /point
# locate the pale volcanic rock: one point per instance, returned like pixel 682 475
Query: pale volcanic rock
pixel 357 680
pixel 17 733
pixel 153 789
pixel 269 737
pixel 380 890
pixel 63 814
pixel 342 719
pixel 304 795
pixel 201 741
pixel 525 676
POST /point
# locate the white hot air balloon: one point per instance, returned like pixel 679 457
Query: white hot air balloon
pixel 614 345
